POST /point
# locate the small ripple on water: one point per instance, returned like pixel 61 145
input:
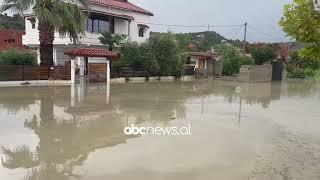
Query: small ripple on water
pixel 292 157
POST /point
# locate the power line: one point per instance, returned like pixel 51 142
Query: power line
pixel 193 26
pixel 270 36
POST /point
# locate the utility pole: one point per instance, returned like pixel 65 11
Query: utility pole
pixel 205 38
pixel 245 37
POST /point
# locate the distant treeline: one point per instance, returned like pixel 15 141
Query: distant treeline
pixel 202 41
pixel 16 22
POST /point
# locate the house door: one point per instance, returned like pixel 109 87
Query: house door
pixel 201 64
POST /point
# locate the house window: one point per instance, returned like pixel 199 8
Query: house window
pixel 98 24
pixel 33 22
pixel 141 31
pixel 9 40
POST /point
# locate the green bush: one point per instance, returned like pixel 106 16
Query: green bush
pixel 302 67
pixel 309 72
pixel 15 57
pixel 262 55
pixel 168 54
pixel 298 61
pixel 297 73
pixel 160 55
pixel 233 60
pixel 302 73
pixel 244 60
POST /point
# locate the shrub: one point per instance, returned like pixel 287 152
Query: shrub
pixel 15 57
pixel 309 72
pixel 296 73
pixel 160 55
pixel 301 73
pixel 233 60
pixel 167 52
pixel 244 60
pixel 296 60
pixel 262 55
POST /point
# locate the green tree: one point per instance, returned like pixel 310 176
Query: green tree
pixel 111 40
pixel 302 22
pixel 166 50
pixel 184 40
pixel 231 60
pixel 16 22
pixel 53 15
pixel 262 55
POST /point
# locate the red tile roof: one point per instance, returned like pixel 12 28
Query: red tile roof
pixel 122 5
pixel 92 52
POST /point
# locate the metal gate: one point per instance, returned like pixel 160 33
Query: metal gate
pixel 277 69
pixel 97 72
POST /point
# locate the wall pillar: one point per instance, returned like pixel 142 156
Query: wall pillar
pixel 55 61
pixel 38 55
pixel 129 28
pixel 108 71
pixel 73 71
pixel 81 65
pixel 108 93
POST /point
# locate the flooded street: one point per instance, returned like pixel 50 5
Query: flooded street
pixel 262 132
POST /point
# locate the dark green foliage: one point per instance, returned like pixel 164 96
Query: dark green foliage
pixel 244 60
pixel 184 40
pixel 111 40
pixel 231 63
pixel 302 62
pixel 16 22
pixel 167 52
pixel 15 57
pixel 138 55
pixel 263 55
pixel 203 40
pixel 233 60
pixel 301 67
pixel 160 55
pixel 301 73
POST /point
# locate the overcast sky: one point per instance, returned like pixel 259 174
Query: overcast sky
pixel 263 15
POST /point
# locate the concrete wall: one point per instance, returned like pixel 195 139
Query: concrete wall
pixel 255 73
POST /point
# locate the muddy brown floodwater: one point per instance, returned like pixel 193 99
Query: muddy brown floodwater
pixel 264 132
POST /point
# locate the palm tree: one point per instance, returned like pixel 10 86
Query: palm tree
pixel 52 15
pixel 111 40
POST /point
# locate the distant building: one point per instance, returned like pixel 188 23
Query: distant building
pixel 205 64
pixel 11 39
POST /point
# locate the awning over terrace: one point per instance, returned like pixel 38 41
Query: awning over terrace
pixel 91 52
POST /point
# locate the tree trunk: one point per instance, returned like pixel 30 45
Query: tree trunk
pixel 46 37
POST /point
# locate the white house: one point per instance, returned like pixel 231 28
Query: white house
pixel 317 4
pixel 116 16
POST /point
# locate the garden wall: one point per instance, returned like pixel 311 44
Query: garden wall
pixel 255 73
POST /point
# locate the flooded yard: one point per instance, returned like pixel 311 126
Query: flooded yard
pixel 239 131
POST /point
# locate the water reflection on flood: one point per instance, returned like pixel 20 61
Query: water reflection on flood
pixel 267 131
